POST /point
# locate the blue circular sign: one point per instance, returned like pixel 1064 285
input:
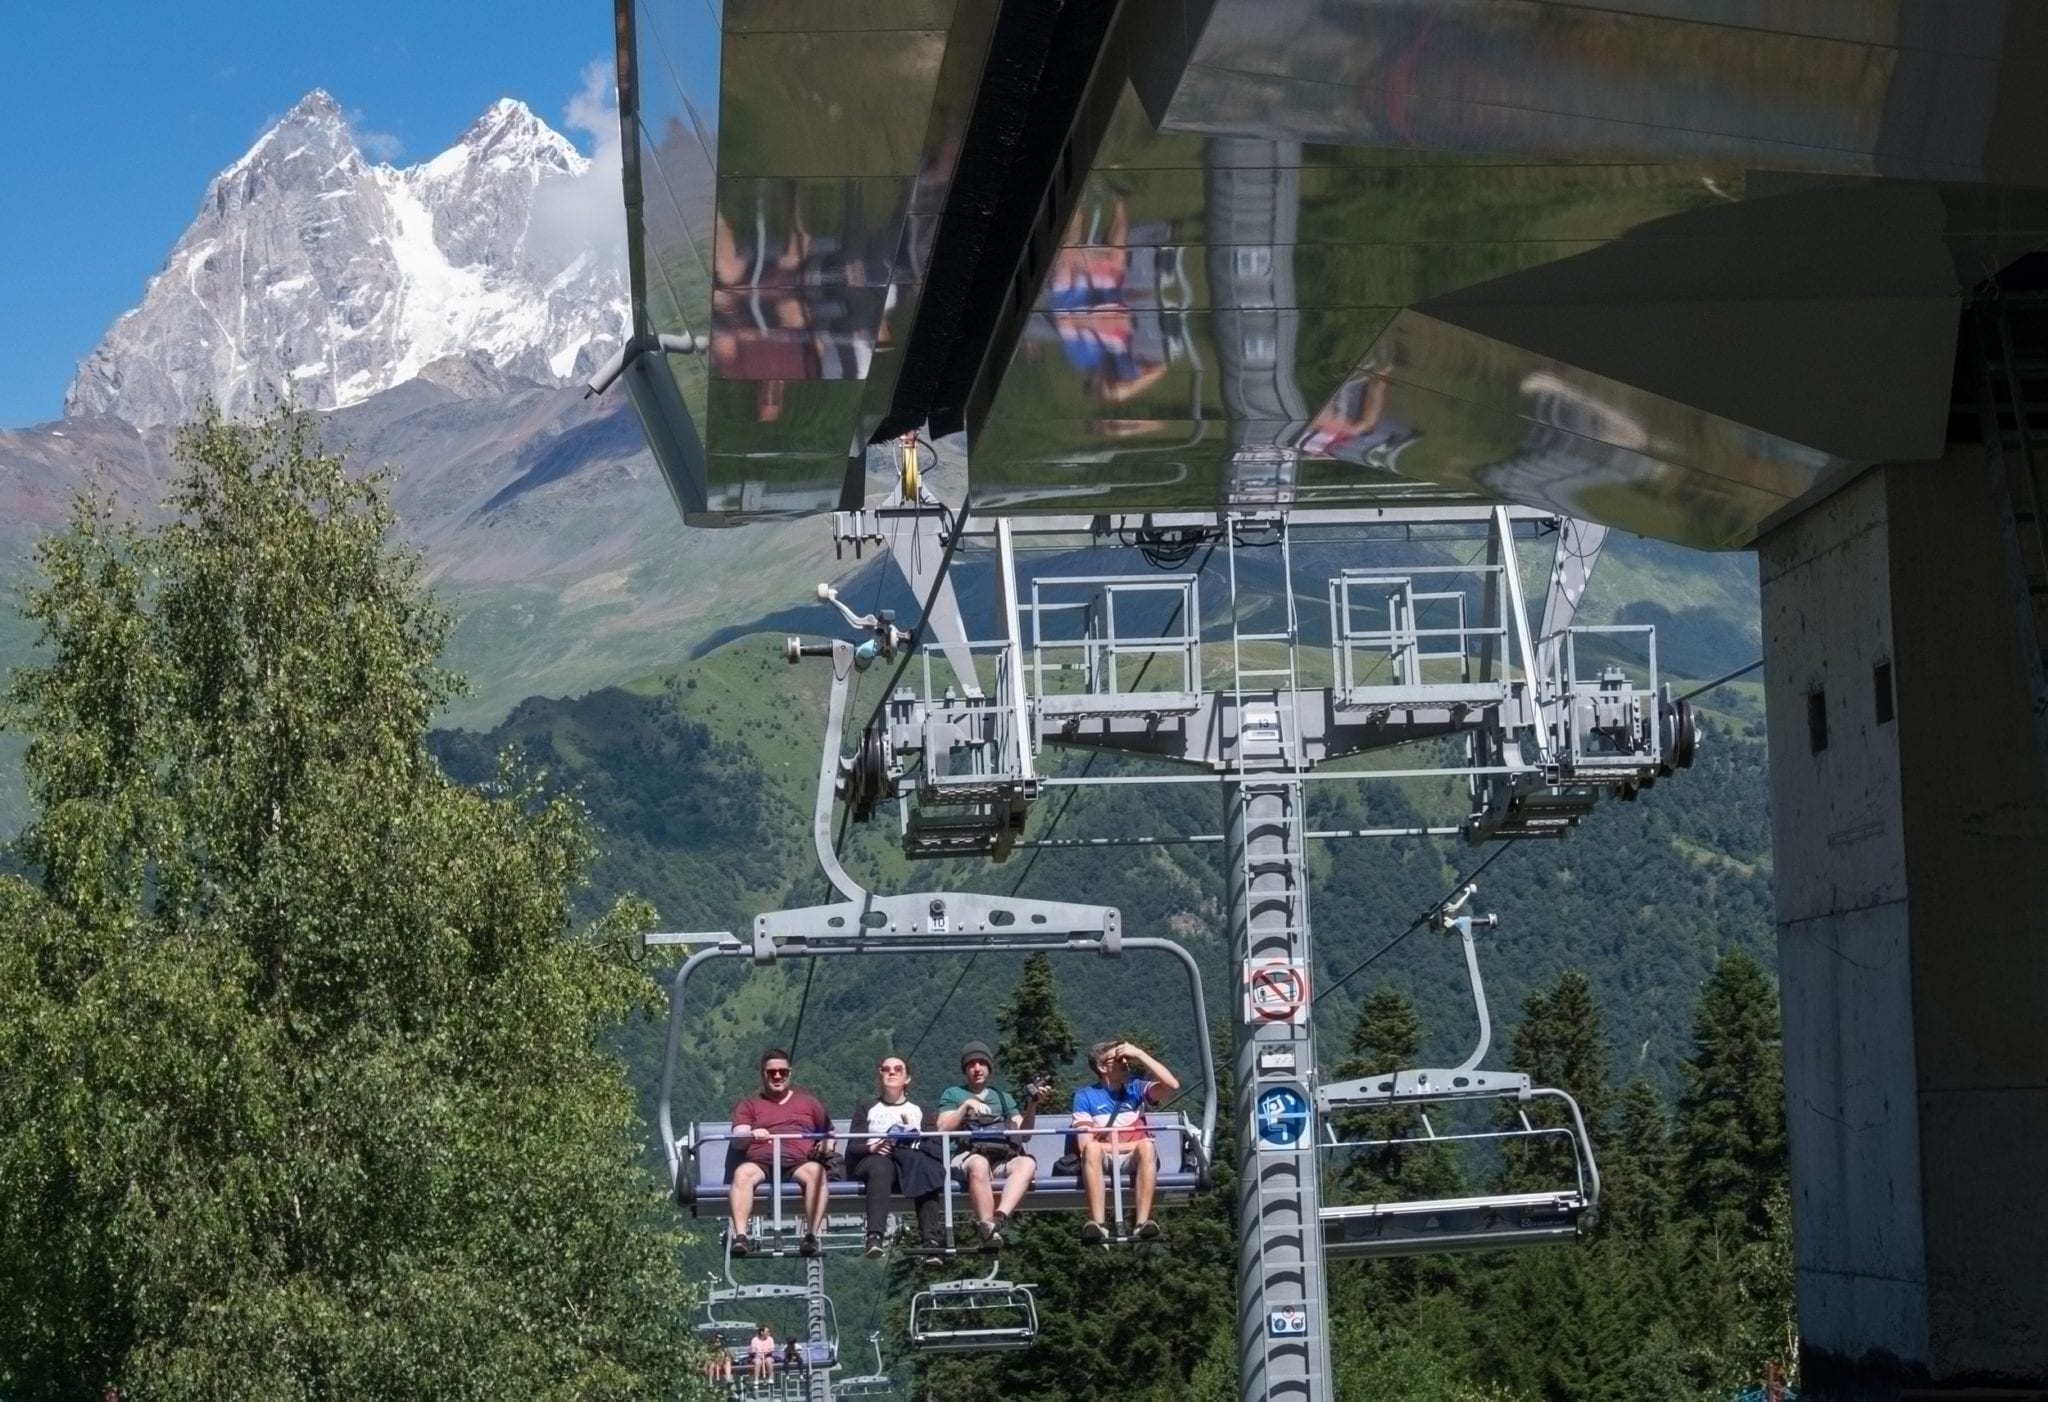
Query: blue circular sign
pixel 1282 1117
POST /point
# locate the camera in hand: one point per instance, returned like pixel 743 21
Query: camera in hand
pixel 1039 1088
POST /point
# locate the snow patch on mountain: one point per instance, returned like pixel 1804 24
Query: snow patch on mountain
pixel 312 271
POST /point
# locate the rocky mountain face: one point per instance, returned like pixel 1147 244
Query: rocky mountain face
pixel 440 317
pixel 313 271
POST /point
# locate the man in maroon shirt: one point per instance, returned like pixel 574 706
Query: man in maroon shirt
pixel 779 1110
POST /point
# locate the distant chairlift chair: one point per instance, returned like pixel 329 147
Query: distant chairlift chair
pixel 978 1315
pixel 738 1328
pixel 1477 1222
pixel 875 1384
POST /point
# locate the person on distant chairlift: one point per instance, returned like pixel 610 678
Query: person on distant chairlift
pixel 805 1131
pixel 1109 1122
pixel 794 1359
pixel 989 1152
pixel 761 1351
pixel 718 1366
pixel 893 1157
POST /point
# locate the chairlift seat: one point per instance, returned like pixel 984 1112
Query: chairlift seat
pixel 708 1155
pixel 1486 1223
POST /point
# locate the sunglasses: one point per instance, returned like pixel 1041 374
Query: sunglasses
pixel 775 1070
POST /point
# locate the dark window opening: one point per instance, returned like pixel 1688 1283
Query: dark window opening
pixel 1817 720
pixel 1881 679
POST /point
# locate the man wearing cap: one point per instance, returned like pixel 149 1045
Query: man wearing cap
pixel 988 1153
pixel 1109 1120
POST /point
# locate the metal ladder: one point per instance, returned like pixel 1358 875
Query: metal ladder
pixel 1280 1262
pixel 1283 684
pixel 2012 407
pixel 820 1389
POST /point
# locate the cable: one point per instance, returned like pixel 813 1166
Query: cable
pixel 804 1002
pixel 942 1006
pixel 1722 681
pixel 1420 921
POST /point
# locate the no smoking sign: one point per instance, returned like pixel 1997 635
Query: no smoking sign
pixel 1275 990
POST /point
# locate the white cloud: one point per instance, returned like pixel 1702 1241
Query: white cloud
pixel 377 145
pixel 585 214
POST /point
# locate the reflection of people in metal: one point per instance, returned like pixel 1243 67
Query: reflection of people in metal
pixel 782 310
pixel 759 329
pixel 1355 426
pixel 1120 351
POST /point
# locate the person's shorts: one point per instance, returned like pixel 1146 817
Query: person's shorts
pixel 1122 1157
pixel 998 1161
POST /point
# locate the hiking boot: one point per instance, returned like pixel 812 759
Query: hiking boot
pixel 1094 1234
pixel 1148 1230
pixel 809 1245
pixel 742 1245
pixel 874 1246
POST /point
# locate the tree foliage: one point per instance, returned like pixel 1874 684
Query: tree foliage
pixel 304 1092
pixel 1731 1114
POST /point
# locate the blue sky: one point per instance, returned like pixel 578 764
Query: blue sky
pixel 116 115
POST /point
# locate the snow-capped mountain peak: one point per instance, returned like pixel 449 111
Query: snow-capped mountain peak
pixel 311 271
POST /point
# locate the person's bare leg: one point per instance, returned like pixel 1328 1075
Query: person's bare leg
pixel 1148 1177
pixel 1017 1182
pixel 980 1194
pixel 811 1178
pixel 1091 1177
pixel 745 1179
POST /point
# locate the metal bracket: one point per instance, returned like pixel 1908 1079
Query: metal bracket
pixel 940 917
pixel 1423 1084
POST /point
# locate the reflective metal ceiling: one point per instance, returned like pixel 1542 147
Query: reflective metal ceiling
pixel 1675 265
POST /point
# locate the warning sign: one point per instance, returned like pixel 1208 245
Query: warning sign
pixel 1275 990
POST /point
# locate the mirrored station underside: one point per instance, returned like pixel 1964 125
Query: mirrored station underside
pixel 1679 266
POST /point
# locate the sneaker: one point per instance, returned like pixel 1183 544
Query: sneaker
pixel 1148 1230
pixel 1095 1234
pixel 1002 1221
pixel 809 1245
pixel 743 1245
pixel 991 1235
pixel 874 1246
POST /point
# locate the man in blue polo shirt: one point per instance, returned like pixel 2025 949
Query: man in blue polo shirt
pixel 1109 1126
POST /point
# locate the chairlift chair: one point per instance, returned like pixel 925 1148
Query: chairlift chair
pixel 821 1352
pixel 978 1315
pixel 699 1157
pixel 1468 1222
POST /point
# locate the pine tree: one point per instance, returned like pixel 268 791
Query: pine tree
pixel 1037 1038
pixel 1636 1172
pixel 1561 1046
pixel 305 1089
pixel 1388 1037
pixel 1731 1113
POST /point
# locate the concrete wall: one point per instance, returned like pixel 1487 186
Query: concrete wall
pixel 1913 960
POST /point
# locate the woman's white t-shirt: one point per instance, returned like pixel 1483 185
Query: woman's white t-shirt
pixel 883 1117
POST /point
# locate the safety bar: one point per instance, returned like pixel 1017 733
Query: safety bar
pixel 1586 1169
pixel 953 1142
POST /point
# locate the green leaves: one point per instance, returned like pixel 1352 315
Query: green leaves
pixel 303 1092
